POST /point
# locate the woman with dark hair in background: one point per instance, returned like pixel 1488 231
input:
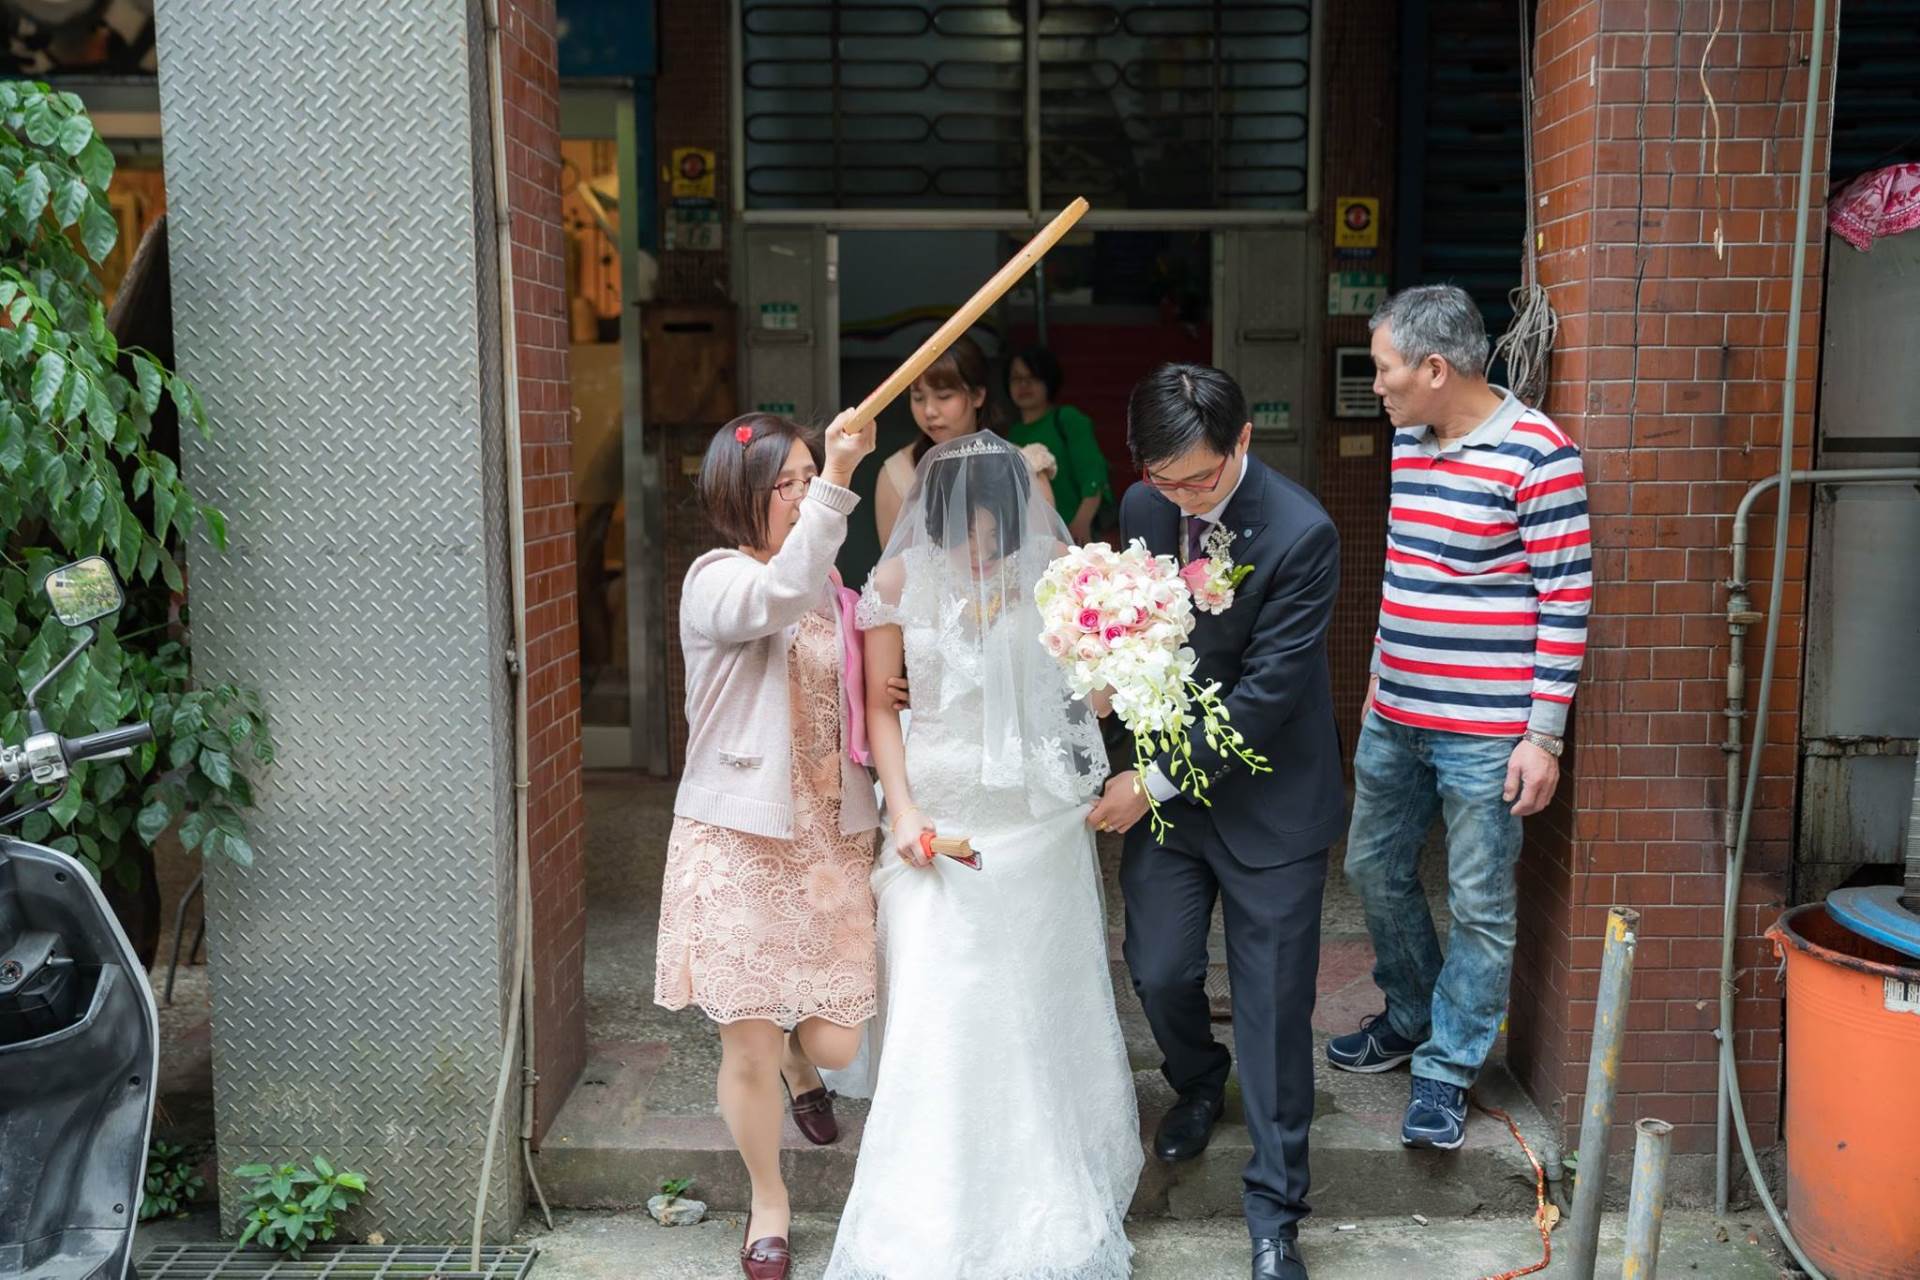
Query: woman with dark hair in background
pixel 951 399
pixel 1081 486
pixel 766 918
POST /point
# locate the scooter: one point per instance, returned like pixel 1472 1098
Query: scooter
pixel 79 1034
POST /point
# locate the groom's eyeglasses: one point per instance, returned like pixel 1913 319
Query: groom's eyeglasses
pixel 1187 486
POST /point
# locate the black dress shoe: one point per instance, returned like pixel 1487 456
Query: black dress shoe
pixel 1277 1260
pixel 1185 1130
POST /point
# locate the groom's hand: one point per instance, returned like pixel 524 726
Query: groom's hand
pixel 897 690
pixel 1124 804
pixel 1532 776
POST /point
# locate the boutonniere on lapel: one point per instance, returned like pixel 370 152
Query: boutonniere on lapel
pixel 1213 576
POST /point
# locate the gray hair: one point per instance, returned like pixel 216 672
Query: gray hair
pixel 1435 320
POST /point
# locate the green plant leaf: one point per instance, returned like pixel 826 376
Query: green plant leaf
pixel 193 830
pixel 41 124
pixel 151 381
pixel 75 133
pixel 163 502
pixel 69 202
pixel 30 195
pixel 216 526
pixel 100 415
pixel 352 1181
pixel 48 376
pixel 99 230
pixel 79 391
pixel 96 164
pixel 36 828
pixel 236 847
pixel 67 807
pixel 154 820
pixel 321 1167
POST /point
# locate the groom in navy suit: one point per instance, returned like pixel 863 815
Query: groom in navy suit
pixel 1260 844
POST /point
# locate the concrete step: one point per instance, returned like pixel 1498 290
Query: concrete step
pixel 607 1150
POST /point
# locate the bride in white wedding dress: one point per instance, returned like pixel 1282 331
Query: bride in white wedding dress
pixel 1003 1141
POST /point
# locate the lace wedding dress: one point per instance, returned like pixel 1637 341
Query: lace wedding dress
pixel 1003 1142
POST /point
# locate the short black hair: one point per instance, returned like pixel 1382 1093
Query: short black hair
pixel 737 476
pixel 998 481
pixel 1042 364
pixel 1179 406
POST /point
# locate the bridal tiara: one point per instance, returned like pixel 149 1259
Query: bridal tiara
pixel 973 449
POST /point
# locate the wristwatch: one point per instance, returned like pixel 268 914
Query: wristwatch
pixel 1546 742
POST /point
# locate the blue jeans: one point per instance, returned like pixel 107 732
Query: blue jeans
pixel 1450 1006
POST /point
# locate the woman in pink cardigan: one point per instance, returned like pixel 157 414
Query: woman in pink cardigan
pixel 766 920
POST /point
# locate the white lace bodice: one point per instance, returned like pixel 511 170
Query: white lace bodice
pixel 1047 759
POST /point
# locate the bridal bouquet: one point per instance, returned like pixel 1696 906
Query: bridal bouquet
pixel 1118 621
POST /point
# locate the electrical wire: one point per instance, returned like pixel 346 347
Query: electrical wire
pixel 1542 1221
pixel 1527 345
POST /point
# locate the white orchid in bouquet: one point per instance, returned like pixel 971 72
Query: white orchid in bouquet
pixel 1118 622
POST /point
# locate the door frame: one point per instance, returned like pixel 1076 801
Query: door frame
pixel 605 109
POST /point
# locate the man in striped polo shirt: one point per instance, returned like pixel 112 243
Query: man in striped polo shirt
pixel 1483 623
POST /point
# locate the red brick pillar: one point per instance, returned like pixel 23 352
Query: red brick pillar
pixel 551 665
pixel 1667 371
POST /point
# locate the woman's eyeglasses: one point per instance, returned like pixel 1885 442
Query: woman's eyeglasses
pixel 1187 486
pixel 792 490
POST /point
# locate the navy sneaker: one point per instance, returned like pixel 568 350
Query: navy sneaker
pixel 1376 1046
pixel 1436 1117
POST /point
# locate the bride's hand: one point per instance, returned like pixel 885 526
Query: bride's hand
pixel 906 838
pixel 1101 700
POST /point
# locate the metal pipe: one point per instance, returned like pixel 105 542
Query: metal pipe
pixel 1603 1081
pixel 1646 1199
pixel 1740 616
pixel 1913 839
pixel 1734 1108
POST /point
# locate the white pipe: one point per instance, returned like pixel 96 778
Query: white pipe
pixel 519 1007
pixel 1729 1078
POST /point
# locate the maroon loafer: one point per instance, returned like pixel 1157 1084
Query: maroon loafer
pixel 767 1258
pixel 813 1114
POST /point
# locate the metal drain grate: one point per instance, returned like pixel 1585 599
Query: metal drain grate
pixel 337 1262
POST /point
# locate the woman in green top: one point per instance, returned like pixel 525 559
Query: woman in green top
pixel 1081 487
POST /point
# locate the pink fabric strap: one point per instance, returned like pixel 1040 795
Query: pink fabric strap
pixel 855 671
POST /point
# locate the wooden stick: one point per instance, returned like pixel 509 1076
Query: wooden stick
pixel 959 849
pixel 976 306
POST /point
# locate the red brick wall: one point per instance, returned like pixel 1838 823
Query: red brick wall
pixel 1362 79
pixel 530 65
pixel 1666 371
pixel 691 111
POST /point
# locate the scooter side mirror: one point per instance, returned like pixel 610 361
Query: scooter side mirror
pixel 84 591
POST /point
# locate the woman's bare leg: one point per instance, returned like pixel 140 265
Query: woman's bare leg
pixel 751 1101
pixel 817 1042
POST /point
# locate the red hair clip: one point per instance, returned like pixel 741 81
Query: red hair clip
pixel 744 434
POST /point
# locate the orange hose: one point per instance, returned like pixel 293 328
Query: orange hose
pixel 1540 1199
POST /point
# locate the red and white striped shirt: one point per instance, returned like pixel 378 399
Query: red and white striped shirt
pixel 1483 614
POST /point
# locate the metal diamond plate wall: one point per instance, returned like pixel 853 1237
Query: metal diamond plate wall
pixel 328 196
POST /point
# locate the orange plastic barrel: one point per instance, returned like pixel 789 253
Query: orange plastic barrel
pixel 1853 1098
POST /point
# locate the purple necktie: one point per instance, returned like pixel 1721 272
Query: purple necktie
pixel 1197 527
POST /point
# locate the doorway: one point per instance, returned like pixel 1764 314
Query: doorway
pixel 829 312
pixel 597 168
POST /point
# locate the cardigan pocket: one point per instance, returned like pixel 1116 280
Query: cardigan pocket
pixel 735 760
